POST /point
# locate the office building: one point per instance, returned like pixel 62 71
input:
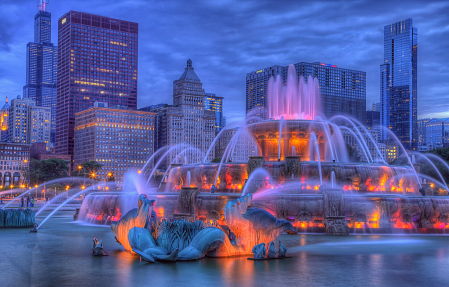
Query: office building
pixel 377 107
pixel 41 66
pixel 244 146
pixel 214 104
pixel 28 123
pixel 119 139
pixel 152 107
pixel 186 124
pixel 422 131
pixel 437 133
pixel 373 119
pixel 398 86
pixel 97 61
pixel 4 112
pixel 343 91
pixel 14 160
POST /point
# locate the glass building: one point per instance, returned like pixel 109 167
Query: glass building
pixel 398 86
pixel 372 119
pixel 41 67
pixel 437 133
pixel 343 91
pixel 97 61
pixel 215 104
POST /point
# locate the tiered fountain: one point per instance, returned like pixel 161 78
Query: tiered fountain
pixel 299 171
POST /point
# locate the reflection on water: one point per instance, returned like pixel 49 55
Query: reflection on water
pixel 59 255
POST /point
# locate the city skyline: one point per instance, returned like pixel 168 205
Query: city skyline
pixel 240 45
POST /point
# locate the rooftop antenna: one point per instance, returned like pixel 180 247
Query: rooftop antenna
pixel 41 5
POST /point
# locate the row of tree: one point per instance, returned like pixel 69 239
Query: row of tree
pixel 41 171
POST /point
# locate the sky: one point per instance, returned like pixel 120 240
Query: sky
pixel 227 39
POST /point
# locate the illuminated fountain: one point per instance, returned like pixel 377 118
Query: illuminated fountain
pixel 298 171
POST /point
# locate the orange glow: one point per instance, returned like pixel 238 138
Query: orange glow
pixel 139 171
pixel 107 188
pixel 83 187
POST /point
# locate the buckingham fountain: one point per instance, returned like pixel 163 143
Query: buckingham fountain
pixel 297 179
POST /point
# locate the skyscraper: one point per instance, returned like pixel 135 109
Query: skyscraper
pixel 41 66
pixel 215 104
pixel 398 87
pixel 97 61
pixel 343 91
pixel 187 122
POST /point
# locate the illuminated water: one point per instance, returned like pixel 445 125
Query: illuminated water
pixel 59 255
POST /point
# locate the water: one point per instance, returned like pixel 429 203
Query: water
pixel 314 142
pixel 357 260
pixel 294 100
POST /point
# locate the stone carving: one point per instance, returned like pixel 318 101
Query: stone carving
pixel 304 216
pixel 186 200
pixel 407 218
pixel 271 250
pixel 259 251
pixel 333 202
pixel 336 226
pixel 444 218
pixel 334 219
pixel 97 248
pixel 293 166
pixel 360 217
pixel 254 162
pixel 282 250
pixel 34 230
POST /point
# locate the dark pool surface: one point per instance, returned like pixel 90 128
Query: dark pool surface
pixel 58 255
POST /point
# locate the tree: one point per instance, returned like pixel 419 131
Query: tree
pixel 45 170
pixel 217 159
pixel 88 168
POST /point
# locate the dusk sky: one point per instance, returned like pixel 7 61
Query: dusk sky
pixel 227 39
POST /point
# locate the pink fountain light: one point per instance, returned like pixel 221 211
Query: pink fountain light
pixel 294 100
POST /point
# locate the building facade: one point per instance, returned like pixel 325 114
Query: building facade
pixel 437 133
pixel 28 123
pixel 186 127
pixel 97 61
pixel 398 86
pixel 422 131
pixel 343 91
pixel 14 163
pixel 41 67
pixel 119 139
pixel 214 104
pixel 243 148
pixel 4 114
pixel 372 119
pixel 377 107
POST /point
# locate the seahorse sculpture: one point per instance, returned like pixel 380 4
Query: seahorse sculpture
pixel 137 217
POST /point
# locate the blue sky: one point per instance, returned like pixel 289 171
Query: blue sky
pixel 227 39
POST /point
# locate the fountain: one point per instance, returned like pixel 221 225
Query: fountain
pixel 298 173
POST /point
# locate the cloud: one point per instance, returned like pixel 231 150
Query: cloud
pixel 227 39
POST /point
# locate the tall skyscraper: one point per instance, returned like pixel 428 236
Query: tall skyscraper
pixel 215 104
pixel 97 61
pixel 422 131
pixel 343 91
pixel 377 107
pixel 41 66
pixel 398 87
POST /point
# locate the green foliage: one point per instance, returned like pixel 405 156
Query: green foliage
pixel 46 170
pixel 217 159
pixel 441 152
pixel 87 169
